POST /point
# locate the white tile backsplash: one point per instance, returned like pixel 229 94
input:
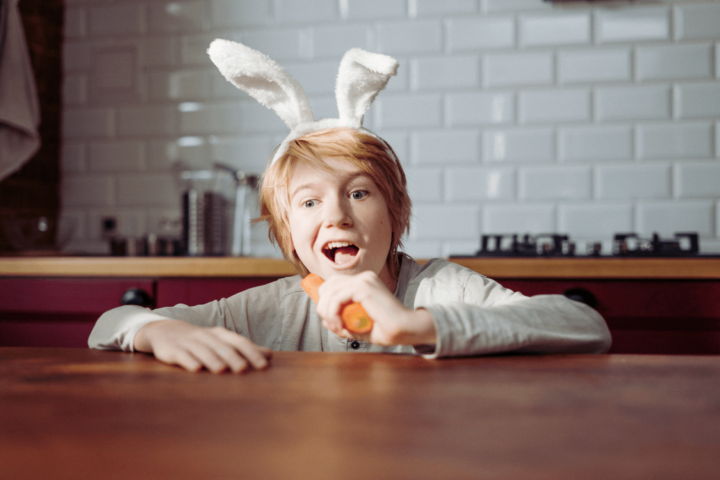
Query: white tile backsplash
pixel 630 182
pixel 480 33
pixel 519 145
pixel 673 62
pixel 595 143
pixel 571 28
pixel 508 115
pixel 137 190
pixel 627 24
pixel 697 21
pixel 697 180
pixel 306 11
pixel 88 191
pixel 697 100
pixel 528 218
pixel 425 185
pixel 402 38
pixel 76 56
pixel 240 13
pixel 147 121
pixel 372 9
pixel 445 146
pixel 75 22
pixel 73 157
pixel 437 222
pixel 116 156
pixel 279 44
pixel 183 17
pixel 555 183
pixel 491 6
pixel 406 111
pixel 88 123
pixel 332 41
pixel 674 141
pixel 593 66
pixel 75 90
pixel 666 218
pixel 550 106
pixel 422 8
pixel 249 153
pixel 439 73
pixel 477 183
pixel 117 20
pixel 592 221
pixel 647 102
pixel 518 69
pixel 478 108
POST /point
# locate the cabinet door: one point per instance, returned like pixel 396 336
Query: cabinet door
pixel 198 291
pixel 45 312
pixel 648 316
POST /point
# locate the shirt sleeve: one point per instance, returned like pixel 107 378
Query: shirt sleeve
pixel 254 313
pixel 493 319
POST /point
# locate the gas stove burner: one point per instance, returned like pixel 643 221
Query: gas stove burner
pixel 556 245
pixel 548 245
pixel 630 245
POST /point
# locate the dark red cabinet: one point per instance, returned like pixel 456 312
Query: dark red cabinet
pixel 58 312
pixel 38 312
pixel 644 316
pixel 648 316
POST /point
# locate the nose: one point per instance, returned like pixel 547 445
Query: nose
pixel 337 213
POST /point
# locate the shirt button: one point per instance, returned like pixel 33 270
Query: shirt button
pixel 355 345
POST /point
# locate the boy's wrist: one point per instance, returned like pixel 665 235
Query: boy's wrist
pixel 422 328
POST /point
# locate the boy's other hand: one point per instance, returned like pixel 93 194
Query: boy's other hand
pixel 216 349
pixel 394 324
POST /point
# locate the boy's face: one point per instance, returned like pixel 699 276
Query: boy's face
pixel 339 221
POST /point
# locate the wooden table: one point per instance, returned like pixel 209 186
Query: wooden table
pixel 76 414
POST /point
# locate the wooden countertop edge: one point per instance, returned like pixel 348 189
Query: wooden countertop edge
pixel 538 268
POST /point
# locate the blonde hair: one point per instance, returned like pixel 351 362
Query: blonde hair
pixel 370 154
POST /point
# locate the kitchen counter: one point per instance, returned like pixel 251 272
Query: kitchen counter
pixel 229 267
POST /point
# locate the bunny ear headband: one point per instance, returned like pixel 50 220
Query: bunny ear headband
pixel 362 75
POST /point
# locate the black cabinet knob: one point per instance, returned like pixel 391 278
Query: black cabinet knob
pixel 581 295
pixel 136 296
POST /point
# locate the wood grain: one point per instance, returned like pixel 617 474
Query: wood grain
pixel 71 413
pixel 498 268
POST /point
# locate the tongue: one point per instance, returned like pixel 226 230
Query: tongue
pixel 345 254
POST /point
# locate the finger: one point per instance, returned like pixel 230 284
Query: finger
pixel 244 347
pixel 207 356
pixel 232 358
pixel 186 361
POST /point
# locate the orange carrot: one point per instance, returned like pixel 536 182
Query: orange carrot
pixel 353 315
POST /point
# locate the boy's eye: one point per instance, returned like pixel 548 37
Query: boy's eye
pixel 358 194
pixel 309 203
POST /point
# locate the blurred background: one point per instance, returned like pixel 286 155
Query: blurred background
pixel 509 116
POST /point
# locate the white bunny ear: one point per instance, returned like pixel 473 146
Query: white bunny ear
pixel 361 77
pixel 263 79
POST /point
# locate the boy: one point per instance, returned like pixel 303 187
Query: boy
pixel 334 196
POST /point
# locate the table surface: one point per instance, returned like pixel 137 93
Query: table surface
pixel 77 413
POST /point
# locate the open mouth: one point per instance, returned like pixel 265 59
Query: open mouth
pixel 340 252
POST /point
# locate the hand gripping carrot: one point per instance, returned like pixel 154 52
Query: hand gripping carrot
pixel 353 315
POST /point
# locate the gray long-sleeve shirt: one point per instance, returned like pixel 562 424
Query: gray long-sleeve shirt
pixel 473 315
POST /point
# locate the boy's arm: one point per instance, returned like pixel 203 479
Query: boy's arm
pixel 461 313
pixel 493 319
pixel 178 342
pixel 216 335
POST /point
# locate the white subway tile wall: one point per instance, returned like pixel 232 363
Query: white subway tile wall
pixel 509 116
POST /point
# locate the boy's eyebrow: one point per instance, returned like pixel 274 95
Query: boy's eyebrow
pixel 311 185
pixel 305 186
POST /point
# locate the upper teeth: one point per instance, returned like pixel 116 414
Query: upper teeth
pixel 337 245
